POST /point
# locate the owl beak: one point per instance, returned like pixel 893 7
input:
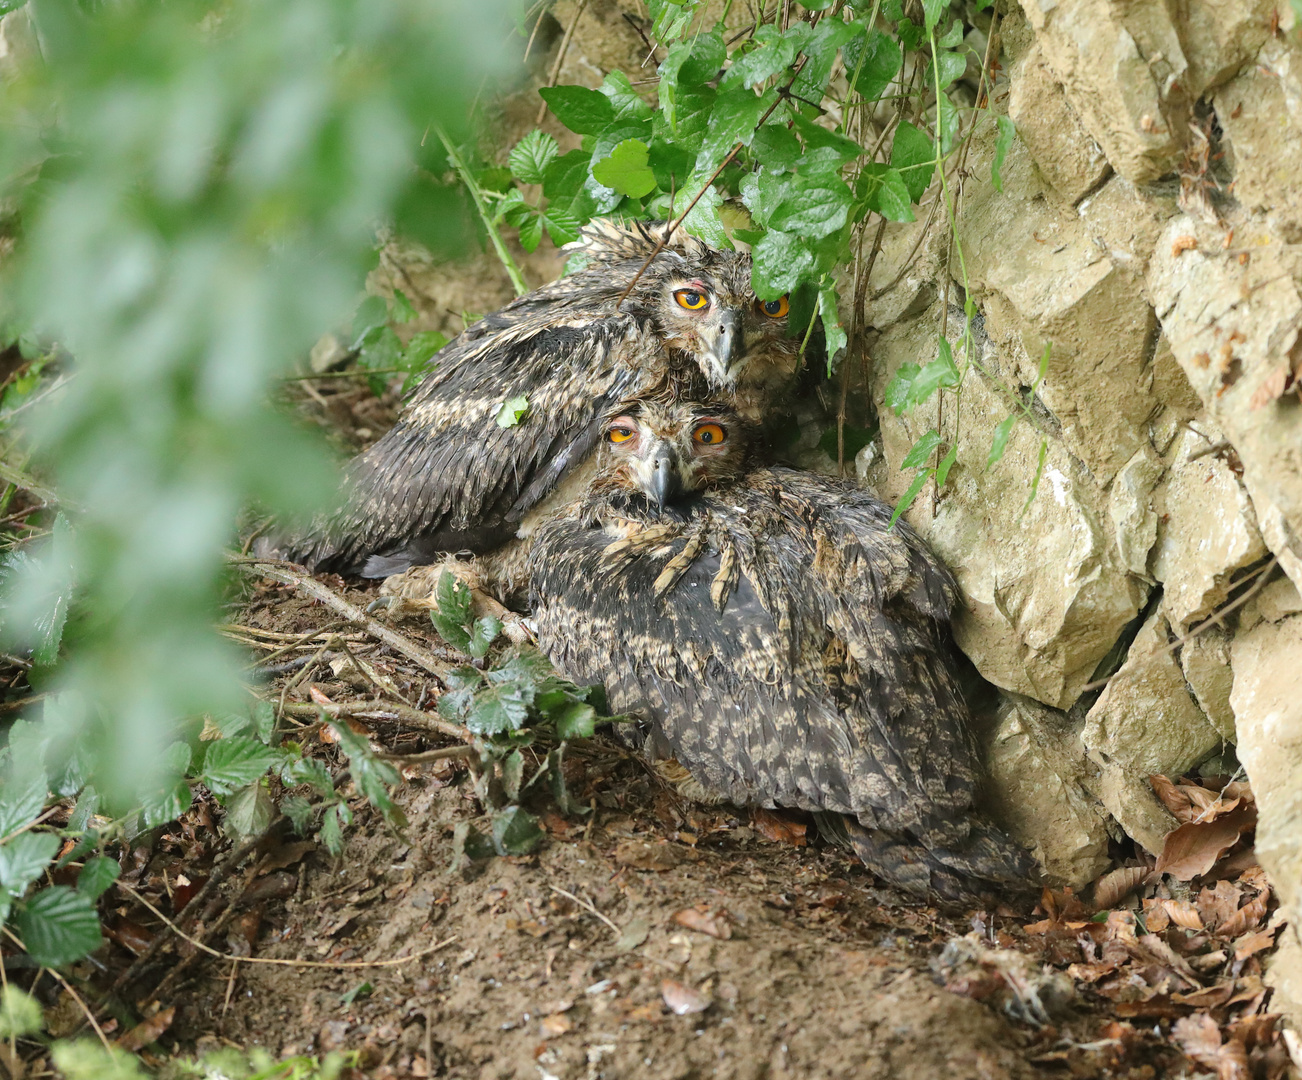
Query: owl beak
pixel 665 482
pixel 728 347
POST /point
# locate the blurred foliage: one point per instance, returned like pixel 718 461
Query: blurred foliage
pixel 195 189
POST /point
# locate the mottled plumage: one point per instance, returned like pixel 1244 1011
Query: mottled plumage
pixel 447 477
pixel 782 644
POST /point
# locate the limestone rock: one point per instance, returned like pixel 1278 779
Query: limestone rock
pixel 1130 505
pixel 1234 324
pixel 1146 721
pixel 1044 281
pixel 1267 701
pixel 1260 112
pixel 1121 68
pixel 1037 795
pixel 1172 386
pixel 1205 660
pixel 1208 531
pixel 1218 37
pixel 1046 593
pixel 1126 222
pixel 1065 153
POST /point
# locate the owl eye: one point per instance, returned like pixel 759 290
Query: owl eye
pixel 709 434
pixel 775 309
pixel 691 299
pixel 620 434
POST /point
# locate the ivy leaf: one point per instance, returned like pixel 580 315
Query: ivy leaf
pixel 951 37
pixel 776 148
pixel 781 261
pixel 96 876
pixel 899 391
pixel 946 463
pixel 776 51
pixel 235 762
pixel 885 192
pixel 626 170
pixel 833 334
pixel 940 372
pixel 815 206
pixel 920 452
pixel 626 101
pixel 1003 143
pixel 949 66
pixel 914 157
pixel 932 10
pixel 515 831
pixel 1000 442
pixel 878 58
pixel 59 926
pixel 906 500
pixel 588 112
pixel 513 410
pixel 947 124
pixel 530 157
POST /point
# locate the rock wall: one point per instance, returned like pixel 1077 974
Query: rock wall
pixel 1148 230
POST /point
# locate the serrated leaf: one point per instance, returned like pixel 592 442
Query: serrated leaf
pixel 248 811
pixel 781 261
pixel 311 772
pixel 775 51
pixel 512 774
pixel 564 176
pixel 23 858
pixel 372 775
pixel 400 308
pixel 815 206
pixel 1000 441
pixel 588 112
pixel 575 721
pixel 21 801
pixel 561 224
pixel 234 763
pixel 59 926
pixel 515 831
pixel 626 169
pixel 776 147
pixel 497 710
pixel 20 1013
pixel 626 101
pixel 97 875
pixel 833 334
pixel 531 230
pixel 160 807
pixel 921 451
pixel 299 812
pixel 914 157
pixel 331 832
pixel 482 634
pixel 906 500
pixel 513 410
pixel 877 58
pixel 733 120
pixel 1003 142
pixel 452 595
pixel 530 157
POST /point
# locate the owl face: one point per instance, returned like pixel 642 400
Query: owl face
pixel 706 307
pixel 671 452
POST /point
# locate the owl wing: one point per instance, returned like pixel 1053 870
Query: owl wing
pixel 448 476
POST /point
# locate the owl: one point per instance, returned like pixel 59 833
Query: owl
pixel 449 476
pixel 779 640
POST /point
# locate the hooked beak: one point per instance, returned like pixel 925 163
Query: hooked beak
pixel 728 348
pixel 665 483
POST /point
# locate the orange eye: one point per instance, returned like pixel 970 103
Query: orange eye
pixel 691 299
pixel 709 434
pixel 620 434
pixel 775 309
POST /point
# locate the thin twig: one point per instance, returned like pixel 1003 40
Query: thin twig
pixel 412 717
pixel 430 755
pixel 560 59
pixel 589 907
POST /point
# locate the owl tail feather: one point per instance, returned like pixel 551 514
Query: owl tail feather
pixel 985 866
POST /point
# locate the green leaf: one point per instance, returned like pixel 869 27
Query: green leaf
pixel 531 230
pixel 838 149
pixel 914 157
pixel 530 157
pixel 555 769
pixel 484 632
pixel 513 410
pixel 21 802
pixel 885 192
pixel 564 176
pixel 23 859
pixel 878 59
pixel 947 124
pixel 361 990
pixel 332 833
pixel 626 101
pixel 1044 366
pixel 775 51
pixel 372 775
pixel 733 120
pixel 932 10
pixel 85 1059
pixel 400 307
pixel 588 112
pixel 626 170
pixel 1004 141
pixel 497 710
pixel 921 451
pixel 946 463
pixel 899 391
pixel 96 876
pixel 688 65
pixel 248 811
pixel 815 206
pixel 515 831
pixel 299 811
pixel 703 219
pixel 833 334
pixel 1035 480
pixel 422 348
pixel 940 372
pixel 235 762
pixel 776 148
pixel 453 597
pixel 781 261
pixel 562 225
pixel 906 500
pixel 59 926
pixel 576 721
pixel 1000 441
pixel 20 1013
pixel 512 774
pixel 950 38
pixel 950 66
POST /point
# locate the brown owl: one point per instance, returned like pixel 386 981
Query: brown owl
pixel 784 644
pixel 448 478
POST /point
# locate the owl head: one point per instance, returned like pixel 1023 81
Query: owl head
pixel 698 298
pixel 671 451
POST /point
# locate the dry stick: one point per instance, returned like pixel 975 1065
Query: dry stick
pixel 1262 575
pixel 587 905
pixel 405 713
pixel 430 755
pixel 560 58
pixel 302 581
pixel 271 960
pixel 303 640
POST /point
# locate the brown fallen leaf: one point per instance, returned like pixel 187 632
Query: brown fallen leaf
pixel 147 1031
pixel 1200 1038
pixel 1272 387
pixel 1218 903
pixel 642 855
pixel 1209 997
pixel 1113 887
pixel 682 999
pixel 1155 915
pixel 1246 918
pixel 1183 914
pixel 779 828
pixel 1193 849
pixel 704 919
pixel 1251 944
pixel 285 855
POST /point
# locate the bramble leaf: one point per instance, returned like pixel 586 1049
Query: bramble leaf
pixel 626 170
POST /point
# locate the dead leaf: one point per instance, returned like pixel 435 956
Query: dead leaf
pixel 318 696
pixel 147 1031
pixel 1113 887
pixel 1182 244
pixel 642 855
pixel 779 828
pixel 1183 914
pixel 1193 849
pixel 1209 997
pixel 1251 944
pixel 1246 918
pixel 1155 915
pixel 285 855
pixel 704 919
pixel 1271 388
pixel 682 999
pixel 1152 947
pixel 1218 903
pixel 633 935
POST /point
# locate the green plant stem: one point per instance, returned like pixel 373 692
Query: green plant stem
pixel 468 178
